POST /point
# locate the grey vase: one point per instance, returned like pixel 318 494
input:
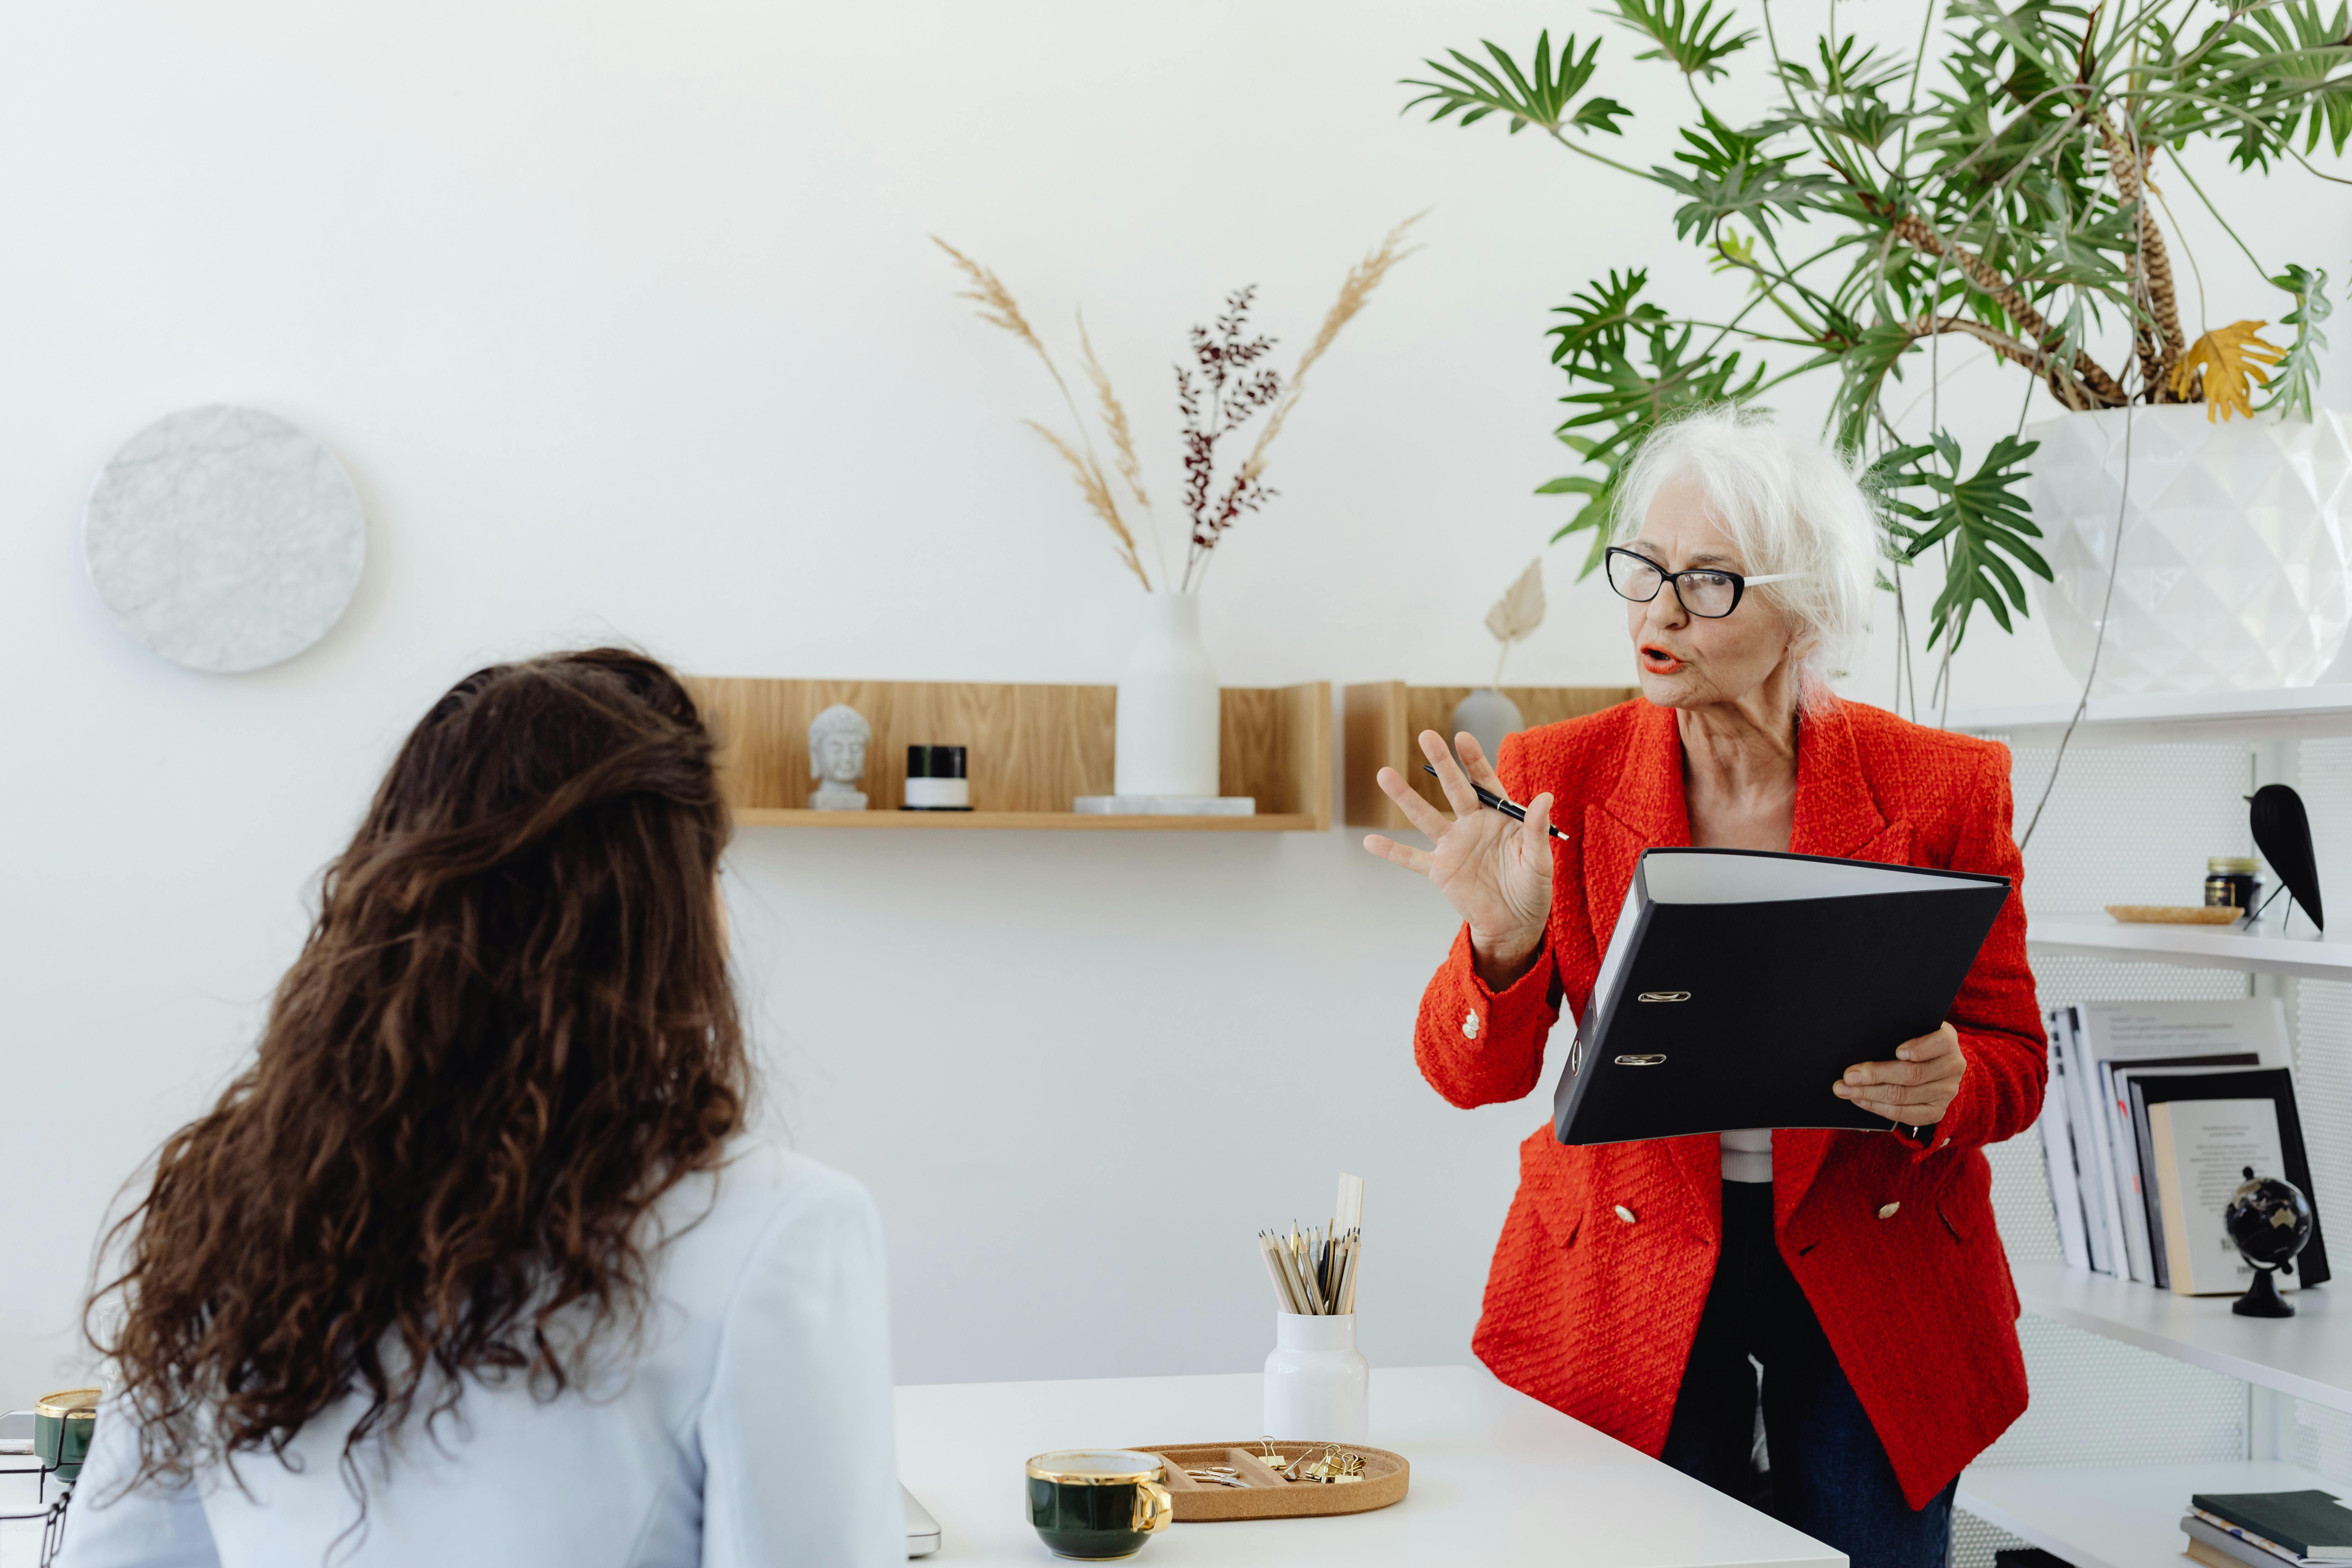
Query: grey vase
pixel 1489 716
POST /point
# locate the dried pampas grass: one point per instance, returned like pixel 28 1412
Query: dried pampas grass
pixel 1122 439
pixel 997 306
pixel 1354 290
pixel 1096 489
pixel 999 309
pixel 1223 407
pixel 1114 417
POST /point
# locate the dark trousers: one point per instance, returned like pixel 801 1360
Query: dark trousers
pixel 1828 1475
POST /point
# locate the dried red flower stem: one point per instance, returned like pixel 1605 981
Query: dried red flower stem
pixel 1217 394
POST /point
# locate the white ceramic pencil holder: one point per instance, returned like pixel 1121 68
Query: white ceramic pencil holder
pixel 1318 1384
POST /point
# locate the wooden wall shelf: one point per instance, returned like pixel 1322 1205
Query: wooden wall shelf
pixel 1033 749
pixel 1383 717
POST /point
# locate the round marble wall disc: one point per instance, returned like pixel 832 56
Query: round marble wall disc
pixel 224 539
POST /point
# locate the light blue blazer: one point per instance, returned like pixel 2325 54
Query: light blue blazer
pixel 750 1429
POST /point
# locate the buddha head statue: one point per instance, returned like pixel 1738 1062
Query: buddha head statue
pixel 837 741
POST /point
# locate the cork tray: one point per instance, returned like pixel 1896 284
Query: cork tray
pixel 2174 914
pixel 1268 1495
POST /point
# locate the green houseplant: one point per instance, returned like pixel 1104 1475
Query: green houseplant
pixel 1991 183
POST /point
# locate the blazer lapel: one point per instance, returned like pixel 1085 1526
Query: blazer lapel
pixel 1647 809
pixel 1835 815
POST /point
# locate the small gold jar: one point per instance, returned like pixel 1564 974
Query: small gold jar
pixel 2232 881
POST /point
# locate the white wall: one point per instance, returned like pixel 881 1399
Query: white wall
pixel 624 319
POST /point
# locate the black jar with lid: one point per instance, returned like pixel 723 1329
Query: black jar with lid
pixel 935 780
pixel 2231 882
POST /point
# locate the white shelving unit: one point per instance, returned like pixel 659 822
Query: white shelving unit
pixel 2249 716
pixel 2127 1516
pixel 2265 949
pixel 2121 1516
pixel 2308 1355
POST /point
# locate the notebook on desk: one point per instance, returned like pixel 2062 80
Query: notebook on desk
pixel 1738 986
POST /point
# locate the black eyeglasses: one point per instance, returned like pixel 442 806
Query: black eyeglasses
pixel 1706 592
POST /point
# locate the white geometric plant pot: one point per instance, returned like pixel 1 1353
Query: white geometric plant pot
pixel 2235 573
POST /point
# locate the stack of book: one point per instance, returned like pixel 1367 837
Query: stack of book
pixel 2155 1111
pixel 2268 1530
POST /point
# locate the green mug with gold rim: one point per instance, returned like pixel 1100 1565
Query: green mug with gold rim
pixel 1096 1505
pixel 62 1425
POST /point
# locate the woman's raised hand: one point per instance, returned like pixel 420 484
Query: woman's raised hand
pixel 1496 873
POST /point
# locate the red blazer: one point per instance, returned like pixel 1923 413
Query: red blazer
pixel 1593 1314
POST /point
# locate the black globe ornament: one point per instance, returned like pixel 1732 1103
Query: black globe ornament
pixel 2270 1221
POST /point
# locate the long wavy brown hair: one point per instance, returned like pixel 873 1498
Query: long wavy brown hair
pixel 511 1030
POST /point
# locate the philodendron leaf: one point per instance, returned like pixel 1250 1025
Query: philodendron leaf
pixel 1885 481
pixel 1601 496
pixel 2230 356
pixel 1693 40
pixel 2295 388
pixel 1981 518
pixel 1539 95
pixel 1601 318
pixel 1732 174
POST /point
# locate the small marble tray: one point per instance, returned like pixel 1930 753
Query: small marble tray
pixel 1268 1495
pixel 2174 914
pixel 1166 806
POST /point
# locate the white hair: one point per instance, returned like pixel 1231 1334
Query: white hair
pixel 1786 505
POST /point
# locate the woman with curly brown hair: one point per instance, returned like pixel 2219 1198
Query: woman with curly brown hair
pixel 476 1261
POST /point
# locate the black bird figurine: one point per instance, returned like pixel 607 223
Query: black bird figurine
pixel 2283 833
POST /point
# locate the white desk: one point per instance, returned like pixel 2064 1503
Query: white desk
pixel 1498 1479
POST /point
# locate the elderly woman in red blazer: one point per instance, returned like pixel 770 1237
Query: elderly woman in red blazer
pixel 1634 1282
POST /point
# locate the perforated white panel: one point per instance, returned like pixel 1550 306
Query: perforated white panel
pixel 2321 1011
pixel 2125 825
pixel 2323 775
pixel 2322 1441
pixel 2130 825
pixel 2317 1438
pixel 2021 1201
pixel 2063 978
pixel 1974 1542
pixel 2097 1402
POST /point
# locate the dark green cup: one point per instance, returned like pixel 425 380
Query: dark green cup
pixel 62 1425
pixel 1098 1504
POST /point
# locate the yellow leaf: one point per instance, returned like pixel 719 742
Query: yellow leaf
pixel 2230 357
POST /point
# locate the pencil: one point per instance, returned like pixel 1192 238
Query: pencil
pixel 1313 1269
pixel 1282 1296
pixel 1289 1261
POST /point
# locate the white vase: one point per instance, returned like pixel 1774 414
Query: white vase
pixel 1489 716
pixel 1167 732
pixel 1318 1384
pixel 2235 561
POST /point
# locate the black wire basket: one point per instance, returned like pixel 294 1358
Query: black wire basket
pixel 52 1512
pixel 53 1490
